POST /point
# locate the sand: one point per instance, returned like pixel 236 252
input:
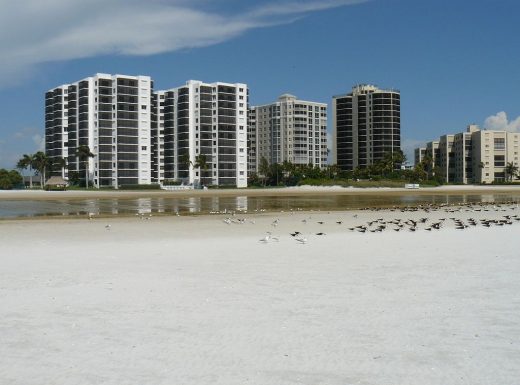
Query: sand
pixel 193 300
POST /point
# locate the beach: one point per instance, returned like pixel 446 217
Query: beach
pixel 236 299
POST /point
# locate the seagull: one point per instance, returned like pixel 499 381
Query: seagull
pixel 108 227
pixel 302 240
pixel 266 238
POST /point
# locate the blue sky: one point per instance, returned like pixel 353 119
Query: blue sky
pixel 456 62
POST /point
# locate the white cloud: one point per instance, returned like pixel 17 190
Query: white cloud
pixel 35 31
pixel 39 142
pixel 25 141
pixel 501 122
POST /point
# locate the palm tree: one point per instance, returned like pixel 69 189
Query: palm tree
pixel 59 164
pixel 511 170
pixel 27 161
pixel 184 160
pixel 201 162
pixel 41 163
pixel 20 165
pixel 263 169
pixel 83 153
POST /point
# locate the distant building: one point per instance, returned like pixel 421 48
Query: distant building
pixel 419 154
pixel 366 126
pixel 290 130
pixel 473 156
pixel 252 144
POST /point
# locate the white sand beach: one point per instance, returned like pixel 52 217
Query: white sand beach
pixel 196 300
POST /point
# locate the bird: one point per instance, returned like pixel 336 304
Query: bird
pixel 108 227
pixel 266 238
pixel 301 240
pixel 320 233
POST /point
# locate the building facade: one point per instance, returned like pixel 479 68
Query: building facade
pixel 366 126
pixel 111 115
pixel 139 136
pixel 289 130
pixel 207 120
pixel 473 156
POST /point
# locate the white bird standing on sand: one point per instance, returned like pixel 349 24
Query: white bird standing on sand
pixel 266 238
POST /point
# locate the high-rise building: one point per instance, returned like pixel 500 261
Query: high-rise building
pixel 56 126
pixel 202 121
pixel 111 115
pixel 290 130
pixel 141 137
pixel 366 126
pixel 251 141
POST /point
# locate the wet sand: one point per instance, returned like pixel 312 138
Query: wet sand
pixel 287 191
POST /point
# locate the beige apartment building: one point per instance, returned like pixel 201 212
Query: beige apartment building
pixel 473 156
pixel 288 130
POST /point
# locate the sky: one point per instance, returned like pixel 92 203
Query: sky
pixel 456 62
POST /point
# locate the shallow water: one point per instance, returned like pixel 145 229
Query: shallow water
pixel 205 205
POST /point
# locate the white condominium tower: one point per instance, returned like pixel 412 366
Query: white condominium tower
pixel 138 136
pixel 288 130
pixel 112 115
pixel 366 126
pixel 202 121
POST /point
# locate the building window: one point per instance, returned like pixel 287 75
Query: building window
pixel 500 143
pixel 500 161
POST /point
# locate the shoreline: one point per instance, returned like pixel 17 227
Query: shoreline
pixel 285 191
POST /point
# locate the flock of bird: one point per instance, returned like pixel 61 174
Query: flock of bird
pixel 427 222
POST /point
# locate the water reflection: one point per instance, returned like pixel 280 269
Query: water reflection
pixel 204 205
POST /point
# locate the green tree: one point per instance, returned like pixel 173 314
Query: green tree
pixel 511 171
pixel 9 179
pixel 83 153
pixel 27 162
pixel 263 170
pixel 41 163
pixel 201 163
pixel 59 164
